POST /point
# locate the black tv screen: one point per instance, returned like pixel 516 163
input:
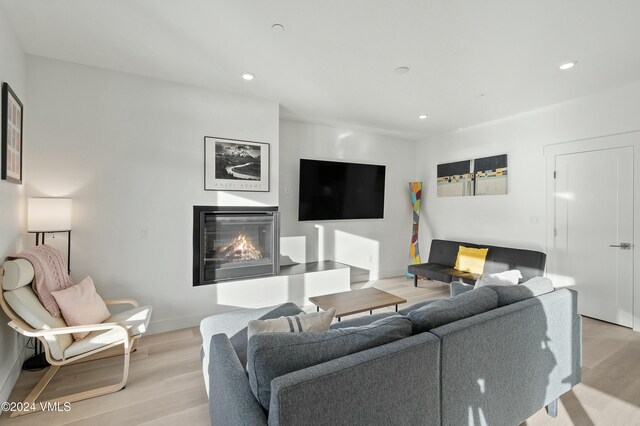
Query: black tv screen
pixel 332 190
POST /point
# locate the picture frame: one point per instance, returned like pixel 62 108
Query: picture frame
pixel 12 131
pixel 236 165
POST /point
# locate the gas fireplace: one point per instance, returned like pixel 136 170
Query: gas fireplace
pixel 232 243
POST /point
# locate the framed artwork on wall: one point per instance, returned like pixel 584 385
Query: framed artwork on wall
pixel 481 176
pixel 12 118
pixel 491 175
pixel 455 179
pixel 235 165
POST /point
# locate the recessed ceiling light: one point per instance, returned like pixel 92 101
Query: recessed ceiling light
pixel 248 76
pixel 277 27
pixel 568 65
pixel 401 70
pixel 423 116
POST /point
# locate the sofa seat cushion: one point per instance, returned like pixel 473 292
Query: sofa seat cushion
pixel 136 320
pixel 462 275
pixel 444 311
pixel 272 355
pixel 432 271
pixel 516 293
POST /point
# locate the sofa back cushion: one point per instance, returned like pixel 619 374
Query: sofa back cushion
pixel 445 252
pixel 517 293
pixel 530 263
pixel 272 355
pixel 444 311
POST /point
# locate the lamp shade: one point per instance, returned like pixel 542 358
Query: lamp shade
pixel 48 214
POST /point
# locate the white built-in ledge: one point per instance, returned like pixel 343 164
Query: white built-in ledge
pixel 296 283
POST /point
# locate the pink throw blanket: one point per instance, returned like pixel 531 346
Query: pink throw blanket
pixel 50 274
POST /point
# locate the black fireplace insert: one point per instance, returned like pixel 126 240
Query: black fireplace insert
pixel 234 243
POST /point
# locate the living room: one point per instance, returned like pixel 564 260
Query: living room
pixel 119 97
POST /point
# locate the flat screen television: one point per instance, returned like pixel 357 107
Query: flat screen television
pixel 332 190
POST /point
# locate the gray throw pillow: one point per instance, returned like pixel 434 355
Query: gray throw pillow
pixel 272 355
pixel 517 293
pixel 315 321
pixel 444 311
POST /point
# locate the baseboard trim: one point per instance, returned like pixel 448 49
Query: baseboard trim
pixel 392 273
pixel 172 324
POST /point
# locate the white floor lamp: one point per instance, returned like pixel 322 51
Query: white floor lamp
pixel 50 216
pixel 47 216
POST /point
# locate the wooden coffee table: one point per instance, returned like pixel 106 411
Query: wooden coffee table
pixel 355 301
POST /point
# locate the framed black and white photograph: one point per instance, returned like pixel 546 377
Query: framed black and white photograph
pixel 12 112
pixel 235 165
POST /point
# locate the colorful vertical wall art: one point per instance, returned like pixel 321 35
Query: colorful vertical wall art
pixel 482 176
pixel 415 190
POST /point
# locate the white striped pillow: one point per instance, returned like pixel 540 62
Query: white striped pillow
pixel 317 321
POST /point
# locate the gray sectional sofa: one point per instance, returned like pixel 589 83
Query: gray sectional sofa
pixel 488 356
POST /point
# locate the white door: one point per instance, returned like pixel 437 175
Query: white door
pixel 593 225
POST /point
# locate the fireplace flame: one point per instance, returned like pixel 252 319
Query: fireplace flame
pixel 241 249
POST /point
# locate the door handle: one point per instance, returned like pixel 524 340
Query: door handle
pixel 623 246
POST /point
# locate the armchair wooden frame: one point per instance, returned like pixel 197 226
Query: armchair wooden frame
pixel 128 344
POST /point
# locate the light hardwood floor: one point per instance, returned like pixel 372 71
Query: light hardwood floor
pixel 165 384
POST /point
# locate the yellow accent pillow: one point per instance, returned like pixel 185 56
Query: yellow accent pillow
pixel 471 259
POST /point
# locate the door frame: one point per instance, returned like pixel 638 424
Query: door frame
pixel 619 140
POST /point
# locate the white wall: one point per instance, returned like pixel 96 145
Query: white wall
pixel 12 203
pixel 129 151
pixel 379 245
pixel 519 219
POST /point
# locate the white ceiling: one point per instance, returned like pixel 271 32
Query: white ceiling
pixel 334 62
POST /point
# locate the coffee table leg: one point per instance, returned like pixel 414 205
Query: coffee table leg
pixel 370 312
pixel 338 319
pixel 415 280
pixel 396 308
pixel 317 308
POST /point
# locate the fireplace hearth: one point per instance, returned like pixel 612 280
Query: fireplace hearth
pixel 234 243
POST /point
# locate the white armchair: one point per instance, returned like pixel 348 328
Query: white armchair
pixel 30 318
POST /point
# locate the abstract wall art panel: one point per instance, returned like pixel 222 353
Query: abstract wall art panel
pixel 491 175
pixel 482 176
pixel 455 179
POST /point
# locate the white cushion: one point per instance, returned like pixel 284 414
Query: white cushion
pixel 16 273
pixel 27 306
pixel 136 320
pixel 511 277
pixel 316 321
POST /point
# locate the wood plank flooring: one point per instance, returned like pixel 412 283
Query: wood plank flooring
pixel 165 384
